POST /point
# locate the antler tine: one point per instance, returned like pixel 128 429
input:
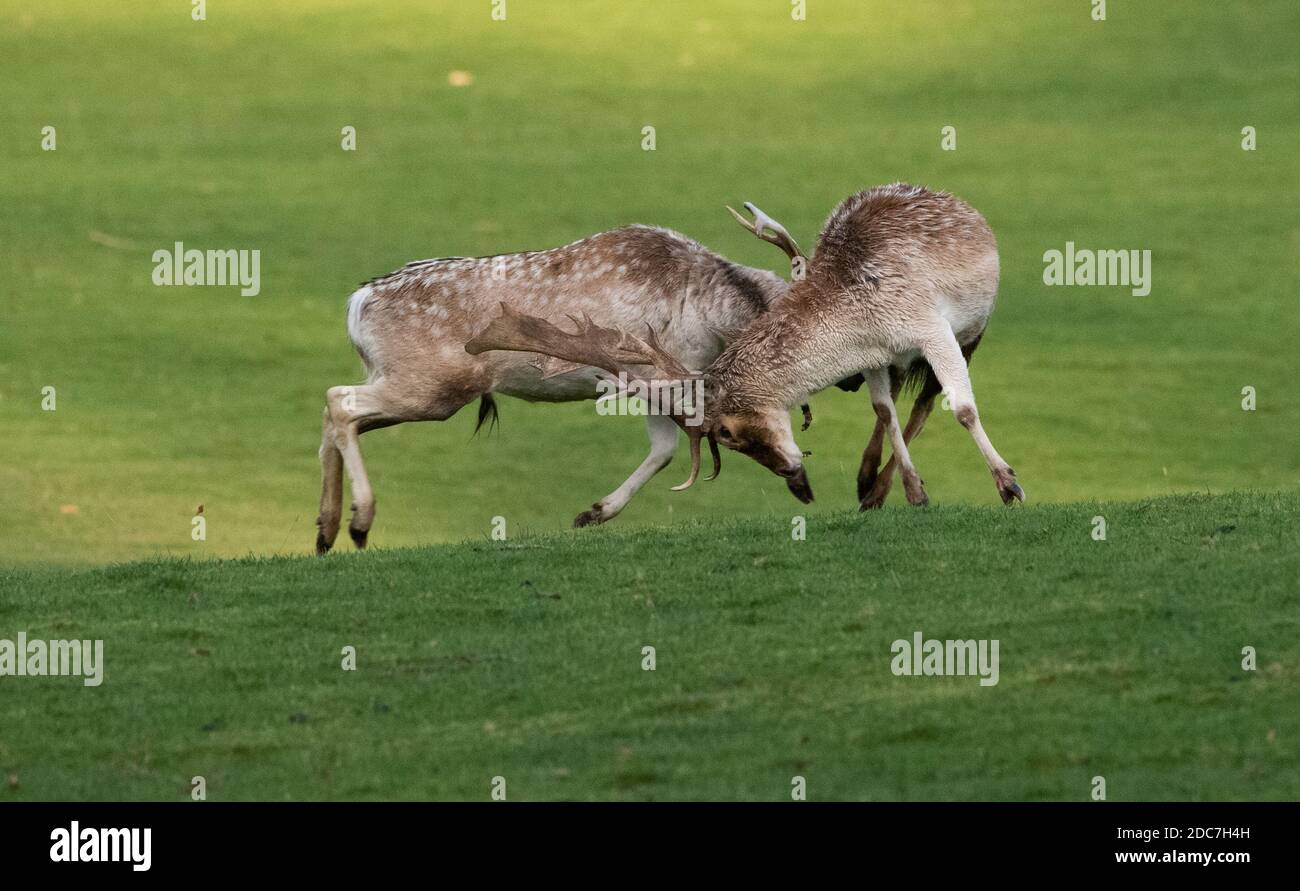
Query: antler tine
pixel 741 219
pixel 610 340
pixel 768 229
pixel 665 360
pixel 695 436
pixel 717 459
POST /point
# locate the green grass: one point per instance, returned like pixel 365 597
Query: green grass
pixel 523 658
pixel 224 134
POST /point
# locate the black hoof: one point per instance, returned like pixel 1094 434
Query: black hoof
pixel 1012 493
pixel 358 537
pixel 874 498
pixel 322 546
pixel 593 517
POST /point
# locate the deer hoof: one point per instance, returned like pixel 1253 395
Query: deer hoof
pixel 915 490
pixel 358 537
pixel 874 500
pixel 876 496
pixel 327 529
pixel 1008 488
pixel 593 517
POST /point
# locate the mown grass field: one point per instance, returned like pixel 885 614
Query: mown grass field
pixel 226 134
pixel 523 659
pixel 479 658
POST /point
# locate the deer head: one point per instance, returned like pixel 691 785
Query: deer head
pixel 761 432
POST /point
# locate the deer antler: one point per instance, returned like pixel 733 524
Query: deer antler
pixel 608 349
pixel 768 229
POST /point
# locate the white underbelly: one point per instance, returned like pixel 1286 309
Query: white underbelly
pixel 524 381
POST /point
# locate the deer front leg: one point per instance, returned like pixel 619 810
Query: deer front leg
pixel 945 357
pixel 663 444
pixel 331 495
pixel 878 380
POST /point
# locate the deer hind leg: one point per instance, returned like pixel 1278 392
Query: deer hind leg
pixel 882 401
pixel 921 408
pixel 663 444
pixel 353 410
pixel 945 357
pixel 870 467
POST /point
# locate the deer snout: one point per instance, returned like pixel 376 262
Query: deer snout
pixel 797 481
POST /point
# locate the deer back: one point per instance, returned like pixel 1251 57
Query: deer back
pixel 625 278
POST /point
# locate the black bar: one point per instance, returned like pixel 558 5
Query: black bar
pixel 304 840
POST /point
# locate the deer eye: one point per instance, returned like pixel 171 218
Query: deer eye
pixel 724 433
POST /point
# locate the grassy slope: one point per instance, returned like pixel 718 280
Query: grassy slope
pixel 225 134
pixel 522 658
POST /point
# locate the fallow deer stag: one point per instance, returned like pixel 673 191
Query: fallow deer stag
pixel 901 276
pixel 410 329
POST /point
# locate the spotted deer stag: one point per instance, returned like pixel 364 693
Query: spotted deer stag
pixel 900 288
pixel 410 328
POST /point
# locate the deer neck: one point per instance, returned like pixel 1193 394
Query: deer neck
pixel 788 354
